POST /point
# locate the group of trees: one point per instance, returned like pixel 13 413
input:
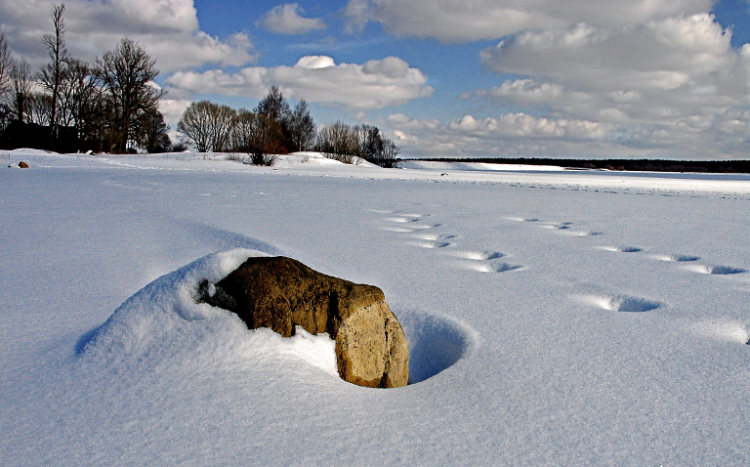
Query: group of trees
pixel 112 106
pixel 343 142
pixel 274 127
pixel 69 104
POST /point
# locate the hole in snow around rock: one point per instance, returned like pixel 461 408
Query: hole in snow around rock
pixel 435 343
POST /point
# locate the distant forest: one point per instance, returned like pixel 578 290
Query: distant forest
pixel 645 165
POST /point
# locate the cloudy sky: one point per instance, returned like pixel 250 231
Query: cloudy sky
pixel 586 78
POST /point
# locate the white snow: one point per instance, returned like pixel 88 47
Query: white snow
pixel 554 317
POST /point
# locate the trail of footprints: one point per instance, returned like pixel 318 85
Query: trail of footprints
pixel 421 235
pixel 626 303
pixel 414 224
pixel 490 261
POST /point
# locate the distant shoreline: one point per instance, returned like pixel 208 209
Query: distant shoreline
pixel 639 165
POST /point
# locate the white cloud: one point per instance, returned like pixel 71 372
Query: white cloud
pixel 511 134
pixel 167 29
pixel 519 134
pixel 288 19
pixel 172 109
pixel 373 85
pixel 461 20
pixel 671 84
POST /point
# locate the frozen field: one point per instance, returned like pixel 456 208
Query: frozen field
pixel 553 317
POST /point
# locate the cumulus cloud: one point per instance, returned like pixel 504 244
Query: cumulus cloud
pixel 288 19
pixel 510 134
pixel 168 29
pixel 459 20
pixel 521 134
pixel 673 84
pixel 372 85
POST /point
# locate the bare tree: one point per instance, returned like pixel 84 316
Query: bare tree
pixel 208 125
pixel 52 75
pixel 337 141
pixel 243 131
pixel 127 75
pixel 80 100
pixel 222 127
pixel 390 154
pixel 20 78
pixel 37 108
pixel 252 134
pixel 195 124
pixel 300 127
pixel 5 64
pixel 369 141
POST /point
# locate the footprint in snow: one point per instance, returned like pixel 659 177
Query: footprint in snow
pixel 557 225
pixel 717 270
pixel 490 266
pixel 431 244
pixel 624 303
pixel 522 219
pixel 725 330
pixel 621 249
pixel 411 215
pixel 397 229
pixel 401 219
pixel 676 258
pixel 419 226
pixel 433 237
pixel 583 233
pixel 477 255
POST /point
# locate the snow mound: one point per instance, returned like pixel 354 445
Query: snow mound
pixel 318 159
pixel 163 324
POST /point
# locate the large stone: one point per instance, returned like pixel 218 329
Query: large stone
pixel 281 293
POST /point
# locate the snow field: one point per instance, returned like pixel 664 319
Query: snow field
pixel 617 337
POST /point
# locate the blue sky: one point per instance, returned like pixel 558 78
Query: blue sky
pixel 647 78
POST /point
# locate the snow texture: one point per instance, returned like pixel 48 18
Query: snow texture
pixel 554 317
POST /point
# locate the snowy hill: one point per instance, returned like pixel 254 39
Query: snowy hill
pixel 553 317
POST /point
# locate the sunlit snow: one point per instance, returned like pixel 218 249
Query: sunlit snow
pixel 554 317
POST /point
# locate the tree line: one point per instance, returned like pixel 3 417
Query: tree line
pixel 112 105
pixel 71 105
pixel 274 127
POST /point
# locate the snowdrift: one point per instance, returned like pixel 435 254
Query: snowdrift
pixel 163 321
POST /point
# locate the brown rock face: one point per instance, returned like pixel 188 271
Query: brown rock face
pixel 281 293
pixel 23 165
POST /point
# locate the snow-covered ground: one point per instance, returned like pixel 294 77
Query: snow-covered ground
pixel 553 317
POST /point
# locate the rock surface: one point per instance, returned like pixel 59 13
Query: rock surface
pixel 281 293
pixel 23 165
